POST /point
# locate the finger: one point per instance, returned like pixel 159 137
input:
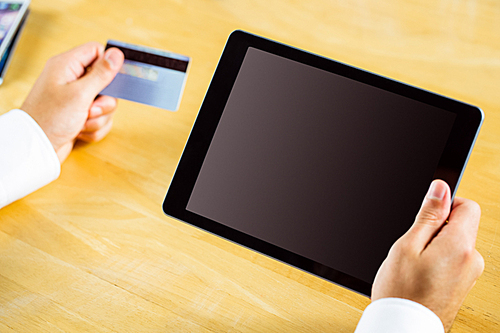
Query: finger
pixel 75 61
pixel 432 215
pixel 102 72
pixel 97 135
pixel 464 221
pixel 86 54
pixel 102 105
pixel 95 124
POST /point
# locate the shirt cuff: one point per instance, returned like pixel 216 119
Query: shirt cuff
pixel 399 315
pixel 28 160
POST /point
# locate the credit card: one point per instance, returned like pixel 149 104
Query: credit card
pixel 149 76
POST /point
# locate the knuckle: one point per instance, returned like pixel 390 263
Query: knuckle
pixel 102 121
pixel 93 44
pixel 88 137
pixel 111 105
pixel 93 137
pixel 474 207
pixel 83 137
pixel 469 254
pixel 479 260
pixel 98 135
pixel 96 124
pixel 471 207
pixel 90 127
pixel 430 216
pixel 51 62
pixel 101 72
pixel 403 245
pixel 54 60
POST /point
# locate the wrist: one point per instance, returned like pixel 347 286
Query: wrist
pixel 43 133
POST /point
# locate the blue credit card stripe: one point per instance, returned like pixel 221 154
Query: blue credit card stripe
pixel 152 59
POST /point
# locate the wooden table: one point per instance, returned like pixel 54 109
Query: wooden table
pixel 93 251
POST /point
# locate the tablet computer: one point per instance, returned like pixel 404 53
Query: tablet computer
pixel 315 163
pixel 11 14
pixel 9 51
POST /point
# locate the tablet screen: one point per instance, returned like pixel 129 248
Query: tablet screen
pixel 319 164
pixel 8 15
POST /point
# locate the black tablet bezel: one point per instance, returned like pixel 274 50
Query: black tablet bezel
pixel 451 165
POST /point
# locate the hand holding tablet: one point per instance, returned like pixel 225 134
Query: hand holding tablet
pixel 298 157
pixel 435 263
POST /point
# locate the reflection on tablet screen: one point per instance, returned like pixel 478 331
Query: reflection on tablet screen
pixel 319 164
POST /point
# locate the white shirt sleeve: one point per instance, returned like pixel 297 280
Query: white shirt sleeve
pixel 27 159
pixel 396 315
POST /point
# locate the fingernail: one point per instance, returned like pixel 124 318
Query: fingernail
pixel 437 190
pixel 113 58
pixel 95 111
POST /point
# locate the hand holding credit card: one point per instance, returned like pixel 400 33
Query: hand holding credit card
pixel 149 76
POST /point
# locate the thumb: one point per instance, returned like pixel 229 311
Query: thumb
pixel 102 71
pixel 432 215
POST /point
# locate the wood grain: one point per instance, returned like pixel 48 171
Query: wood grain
pixel 93 251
